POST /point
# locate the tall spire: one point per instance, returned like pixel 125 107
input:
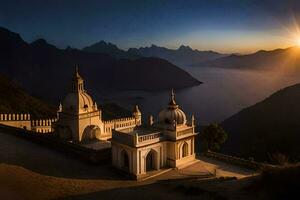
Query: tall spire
pixel 172 103
pixel 77 81
pixel 76 73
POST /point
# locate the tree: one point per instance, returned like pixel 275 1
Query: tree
pixel 212 137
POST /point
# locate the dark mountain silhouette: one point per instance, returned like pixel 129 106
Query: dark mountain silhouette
pixel 268 127
pixel 110 49
pixel 14 99
pixel 182 56
pixel 46 70
pixel 286 59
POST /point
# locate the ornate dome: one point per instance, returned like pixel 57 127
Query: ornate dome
pixel 172 113
pixel 78 100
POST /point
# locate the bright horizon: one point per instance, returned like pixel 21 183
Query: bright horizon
pixel 225 26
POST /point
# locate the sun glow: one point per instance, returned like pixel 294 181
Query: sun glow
pixel 298 41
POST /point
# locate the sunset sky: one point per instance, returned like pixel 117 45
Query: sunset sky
pixel 230 26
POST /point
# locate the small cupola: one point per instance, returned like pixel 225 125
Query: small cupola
pixel 172 113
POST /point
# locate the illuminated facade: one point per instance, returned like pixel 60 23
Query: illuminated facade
pixel 80 119
pixel 167 142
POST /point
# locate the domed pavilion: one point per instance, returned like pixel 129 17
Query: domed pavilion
pixel 168 141
pixel 80 119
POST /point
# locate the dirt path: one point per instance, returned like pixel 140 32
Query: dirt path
pixel 224 169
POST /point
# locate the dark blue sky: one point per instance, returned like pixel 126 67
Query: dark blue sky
pixel 222 25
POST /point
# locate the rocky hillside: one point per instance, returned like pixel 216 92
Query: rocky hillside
pixel 13 99
pixel 267 128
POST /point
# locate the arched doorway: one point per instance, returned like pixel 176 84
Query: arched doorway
pixel 185 150
pixel 91 132
pixel 124 160
pixel 151 161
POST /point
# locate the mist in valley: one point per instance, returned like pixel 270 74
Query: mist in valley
pixel 223 93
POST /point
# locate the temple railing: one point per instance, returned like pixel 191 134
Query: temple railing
pixel 149 137
pixel 15 117
pixel 135 139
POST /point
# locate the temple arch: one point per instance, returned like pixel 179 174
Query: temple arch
pixel 151 161
pixel 184 150
pixel 91 132
pixel 124 160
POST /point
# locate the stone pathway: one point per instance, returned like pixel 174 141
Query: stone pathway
pixel 220 168
pixel 204 168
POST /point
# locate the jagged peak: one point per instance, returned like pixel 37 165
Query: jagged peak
pixel 182 47
pixel 39 41
pixel 42 43
pixel 105 44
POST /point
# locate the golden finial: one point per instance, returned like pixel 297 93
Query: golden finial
pixel 76 73
pixel 172 103
pixel 172 95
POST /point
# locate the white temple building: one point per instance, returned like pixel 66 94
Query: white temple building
pixel 80 119
pixel 167 142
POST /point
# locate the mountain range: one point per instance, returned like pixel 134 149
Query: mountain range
pixel 279 59
pixel 287 59
pixel 110 49
pixel 46 70
pixel 183 56
pixel 269 127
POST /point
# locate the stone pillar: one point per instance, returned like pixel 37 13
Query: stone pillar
pixel 136 139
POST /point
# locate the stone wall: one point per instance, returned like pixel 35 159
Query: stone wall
pixel 24 121
pixel 250 164
pixel 48 140
pixel 43 125
pixel 16 120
